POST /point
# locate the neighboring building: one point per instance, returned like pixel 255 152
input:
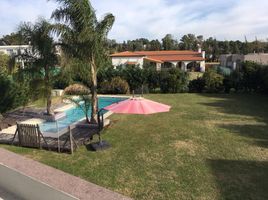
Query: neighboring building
pixel 15 50
pixel 234 61
pixel 185 60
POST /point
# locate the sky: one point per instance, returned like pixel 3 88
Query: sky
pixel 153 19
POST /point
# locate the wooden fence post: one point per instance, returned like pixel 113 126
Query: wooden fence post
pixel 71 140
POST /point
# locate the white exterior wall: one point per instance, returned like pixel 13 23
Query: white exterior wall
pixel 123 60
pixel 202 66
pixel 12 50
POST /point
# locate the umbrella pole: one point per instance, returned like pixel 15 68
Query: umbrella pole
pixel 133 93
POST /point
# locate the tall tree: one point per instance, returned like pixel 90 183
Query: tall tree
pixel 83 37
pixel 43 57
pixel 189 42
pixel 14 39
pixel 169 43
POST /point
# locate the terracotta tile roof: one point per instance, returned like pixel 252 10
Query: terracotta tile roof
pixel 126 54
pixel 165 58
pixel 153 53
pixel 153 60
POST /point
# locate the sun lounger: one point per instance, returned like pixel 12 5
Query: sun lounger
pixel 29 136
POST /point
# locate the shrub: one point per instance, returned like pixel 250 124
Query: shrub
pixel 134 75
pixel 213 81
pixel 12 94
pixel 62 80
pixel 174 81
pixel 152 78
pixel 116 86
pixel 76 89
pixel 197 85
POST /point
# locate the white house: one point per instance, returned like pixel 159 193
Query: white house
pixel 15 50
pixel 186 60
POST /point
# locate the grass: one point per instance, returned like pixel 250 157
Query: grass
pixel 207 147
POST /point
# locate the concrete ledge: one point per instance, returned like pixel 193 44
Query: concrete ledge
pixel 73 186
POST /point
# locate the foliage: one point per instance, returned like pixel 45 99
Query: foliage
pixel 169 43
pixel 116 86
pixel 76 89
pixel 84 37
pixel 82 99
pixel 197 85
pixel 15 39
pixel 13 94
pixel 134 76
pixel 152 78
pixel 42 58
pixel 213 81
pixel 251 77
pixel 4 62
pixel 83 102
pixel 173 81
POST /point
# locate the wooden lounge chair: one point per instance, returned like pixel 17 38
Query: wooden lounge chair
pixel 29 136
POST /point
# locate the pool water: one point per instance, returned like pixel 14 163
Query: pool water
pixel 74 115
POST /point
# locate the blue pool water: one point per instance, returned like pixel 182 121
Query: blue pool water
pixel 75 114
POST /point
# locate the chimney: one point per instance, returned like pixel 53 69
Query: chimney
pixel 199 48
pixel 203 54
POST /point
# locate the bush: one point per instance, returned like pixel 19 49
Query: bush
pixel 134 75
pixel 213 81
pixel 116 86
pixel 152 78
pixel 197 85
pixel 12 94
pixel 174 81
pixel 76 89
pixel 62 80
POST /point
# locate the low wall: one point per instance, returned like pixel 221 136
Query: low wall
pixel 28 188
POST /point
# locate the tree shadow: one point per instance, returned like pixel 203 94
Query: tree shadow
pixel 240 104
pixel 258 133
pixel 243 107
pixel 241 179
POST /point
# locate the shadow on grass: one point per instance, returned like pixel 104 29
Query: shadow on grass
pixel 241 104
pixel 258 133
pixel 255 106
pixel 241 179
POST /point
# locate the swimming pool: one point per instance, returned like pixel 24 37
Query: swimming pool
pixel 74 115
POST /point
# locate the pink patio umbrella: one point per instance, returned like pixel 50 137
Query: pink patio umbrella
pixel 138 105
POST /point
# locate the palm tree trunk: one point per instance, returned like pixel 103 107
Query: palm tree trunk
pixel 94 99
pixel 48 92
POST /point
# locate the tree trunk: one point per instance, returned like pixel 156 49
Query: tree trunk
pixel 48 92
pixel 94 98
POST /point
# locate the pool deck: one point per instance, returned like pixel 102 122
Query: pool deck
pixel 80 131
pixel 80 135
pixel 57 179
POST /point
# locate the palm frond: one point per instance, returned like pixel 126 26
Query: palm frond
pixel 105 25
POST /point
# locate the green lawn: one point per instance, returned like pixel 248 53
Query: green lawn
pixel 207 147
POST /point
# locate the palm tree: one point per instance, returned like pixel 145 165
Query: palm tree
pixel 42 57
pixel 83 36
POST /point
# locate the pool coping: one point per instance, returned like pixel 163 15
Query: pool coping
pixel 62 109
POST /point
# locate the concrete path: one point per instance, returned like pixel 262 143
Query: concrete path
pixel 57 179
pixel 4 195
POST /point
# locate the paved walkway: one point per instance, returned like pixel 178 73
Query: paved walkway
pixel 4 195
pixel 57 179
